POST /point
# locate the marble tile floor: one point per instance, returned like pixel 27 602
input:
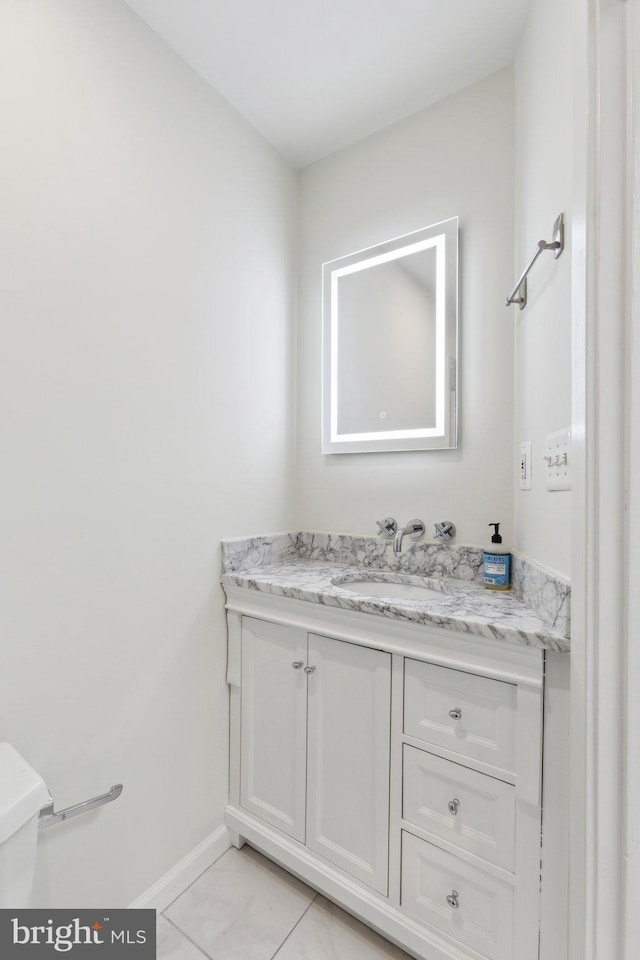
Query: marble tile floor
pixel 245 907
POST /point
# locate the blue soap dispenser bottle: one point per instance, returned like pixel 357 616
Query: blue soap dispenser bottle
pixel 496 563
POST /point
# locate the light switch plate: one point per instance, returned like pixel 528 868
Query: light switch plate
pixel 525 465
pixel 557 457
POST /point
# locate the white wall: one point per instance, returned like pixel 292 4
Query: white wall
pixel 544 188
pixel 453 159
pixel 146 278
pixel 542 387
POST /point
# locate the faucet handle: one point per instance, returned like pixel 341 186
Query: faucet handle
pixel 445 530
pixel 387 527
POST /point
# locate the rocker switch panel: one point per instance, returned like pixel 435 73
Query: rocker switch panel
pixel 525 465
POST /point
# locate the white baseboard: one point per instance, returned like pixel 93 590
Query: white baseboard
pixel 165 890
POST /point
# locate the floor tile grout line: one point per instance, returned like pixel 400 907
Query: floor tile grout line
pixel 300 918
pixel 187 937
pixel 200 949
pixel 178 895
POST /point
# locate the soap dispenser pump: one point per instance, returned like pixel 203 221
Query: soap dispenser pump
pixel 496 563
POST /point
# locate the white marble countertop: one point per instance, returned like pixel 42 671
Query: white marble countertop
pixel 464 606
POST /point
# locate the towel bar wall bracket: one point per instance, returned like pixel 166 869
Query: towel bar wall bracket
pixel 556 244
pixel 48 816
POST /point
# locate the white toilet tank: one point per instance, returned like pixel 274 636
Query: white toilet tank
pixel 23 793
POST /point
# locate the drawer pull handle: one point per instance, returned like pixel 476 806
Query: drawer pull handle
pixel 453 807
pixel 309 669
pixel 452 899
pixel 456 713
pixel 297 664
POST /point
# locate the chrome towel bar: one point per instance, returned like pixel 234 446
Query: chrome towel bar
pixel 48 816
pixel 557 245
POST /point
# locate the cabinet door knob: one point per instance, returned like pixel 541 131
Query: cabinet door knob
pixel 453 807
pixel 452 899
pixel 297 664
pixel 456 713
pixel 309 669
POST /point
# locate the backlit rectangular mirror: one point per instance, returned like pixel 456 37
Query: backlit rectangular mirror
pixel 390 344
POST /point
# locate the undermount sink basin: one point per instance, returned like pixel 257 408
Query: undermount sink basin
pixel 389 589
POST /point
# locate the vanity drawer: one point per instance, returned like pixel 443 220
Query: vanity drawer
pixel 467 808
pixel 472 907
pixel 469 715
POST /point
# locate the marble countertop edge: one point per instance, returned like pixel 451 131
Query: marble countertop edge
pixel 465 607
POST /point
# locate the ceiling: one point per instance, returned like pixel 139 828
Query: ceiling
pixel 316 75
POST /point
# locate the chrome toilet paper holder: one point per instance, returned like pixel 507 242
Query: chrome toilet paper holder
pixel 48 816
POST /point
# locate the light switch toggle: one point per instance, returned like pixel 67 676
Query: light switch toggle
pixel 559 460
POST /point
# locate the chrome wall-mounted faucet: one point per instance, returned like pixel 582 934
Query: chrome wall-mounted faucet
pixel 414 529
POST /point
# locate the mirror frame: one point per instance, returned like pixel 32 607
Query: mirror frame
pixel 444 435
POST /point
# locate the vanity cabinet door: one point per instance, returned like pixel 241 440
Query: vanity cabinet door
pixel 274 724
pixel 349 708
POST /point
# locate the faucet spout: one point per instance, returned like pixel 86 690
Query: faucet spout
pixel 397 540
pixel 413 529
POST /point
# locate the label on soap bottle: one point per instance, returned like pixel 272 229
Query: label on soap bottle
pixel 496 570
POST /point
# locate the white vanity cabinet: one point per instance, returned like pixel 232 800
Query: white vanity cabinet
pixel 394 767
pixel 314 744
